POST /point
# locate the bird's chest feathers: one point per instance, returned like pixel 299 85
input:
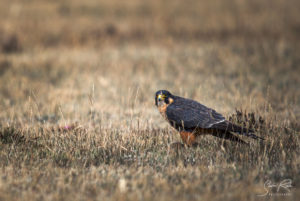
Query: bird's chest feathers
pixel 163 109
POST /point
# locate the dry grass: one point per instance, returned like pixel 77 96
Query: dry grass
pixel 77 84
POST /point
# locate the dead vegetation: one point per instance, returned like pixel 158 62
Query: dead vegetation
pixel 77 84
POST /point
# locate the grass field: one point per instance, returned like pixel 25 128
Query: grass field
pixel 77 85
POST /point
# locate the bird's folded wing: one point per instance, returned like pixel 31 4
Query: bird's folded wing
pixel 189 114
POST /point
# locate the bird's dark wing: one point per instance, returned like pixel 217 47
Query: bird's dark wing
pixel 188 114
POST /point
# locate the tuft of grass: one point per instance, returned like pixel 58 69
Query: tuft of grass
pixel 9 135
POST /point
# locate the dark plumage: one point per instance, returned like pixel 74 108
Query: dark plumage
pixel 191 119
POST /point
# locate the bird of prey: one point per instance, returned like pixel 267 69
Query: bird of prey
pixel 192 119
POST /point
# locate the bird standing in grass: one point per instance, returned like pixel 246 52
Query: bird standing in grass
pixel 193 119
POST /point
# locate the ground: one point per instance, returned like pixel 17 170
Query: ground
pixel 77 85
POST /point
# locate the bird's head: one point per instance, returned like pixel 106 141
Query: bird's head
pixel 163 97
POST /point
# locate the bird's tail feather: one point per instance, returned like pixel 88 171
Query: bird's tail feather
pixel 244 131
pixel 230 127
pixel 228 136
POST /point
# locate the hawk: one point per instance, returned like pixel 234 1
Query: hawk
pixel 193 119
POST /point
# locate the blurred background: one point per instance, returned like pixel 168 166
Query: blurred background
pixel 111 55
pixel 51 24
